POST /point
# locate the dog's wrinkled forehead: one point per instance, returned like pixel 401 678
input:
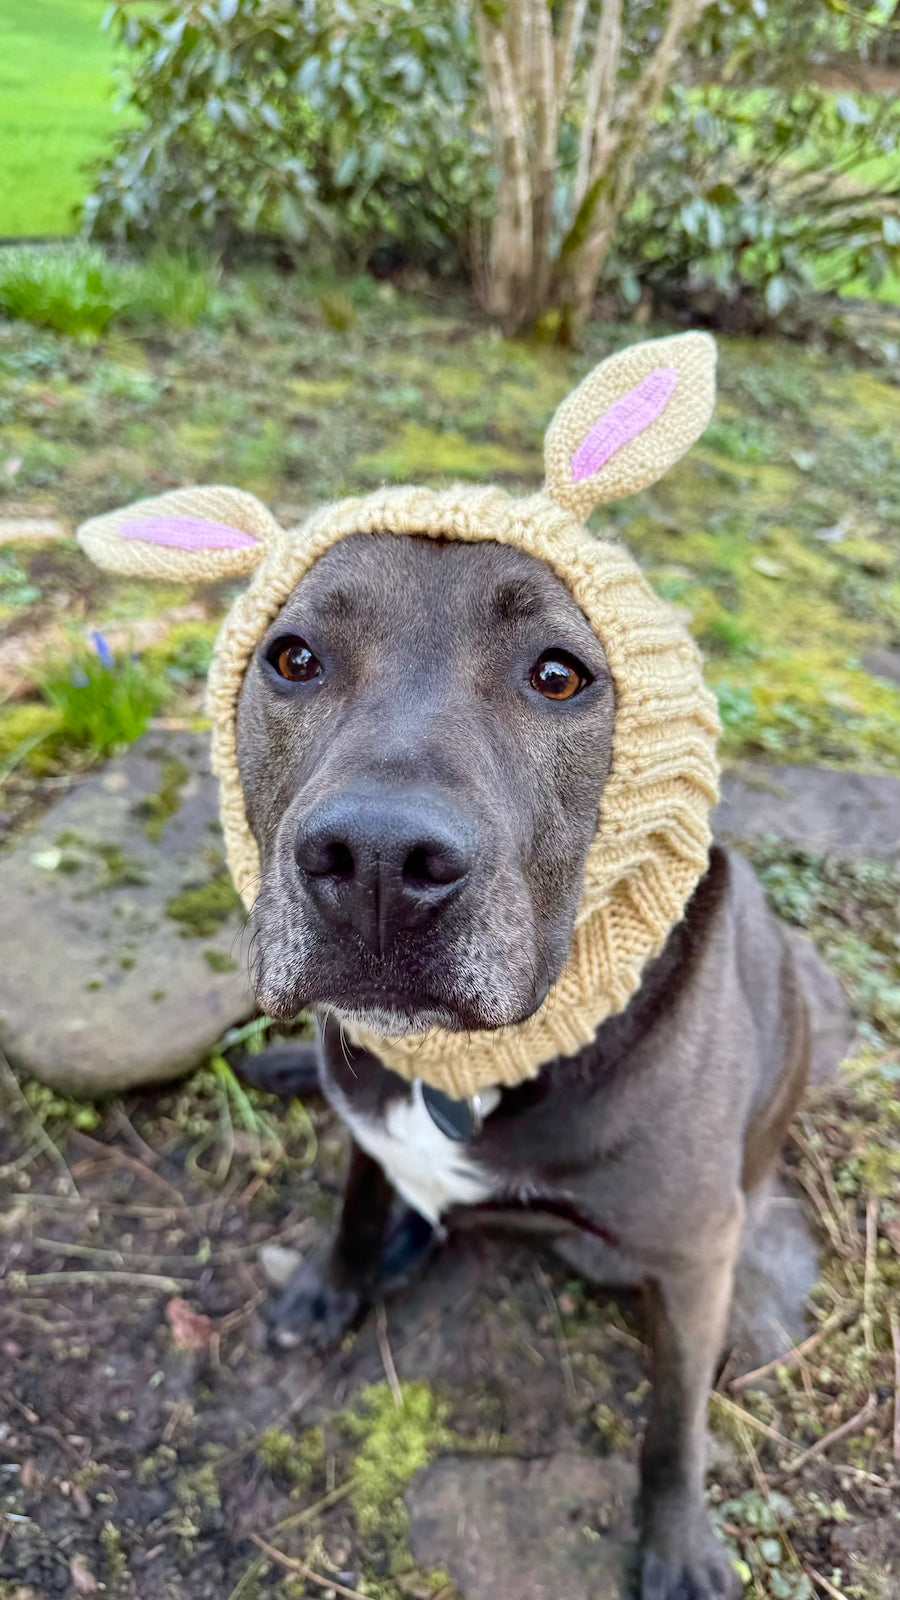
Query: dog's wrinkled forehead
pixel 383 587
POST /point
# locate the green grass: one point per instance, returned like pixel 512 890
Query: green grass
pixel 101 702
pixel 81 291
pixel 56 111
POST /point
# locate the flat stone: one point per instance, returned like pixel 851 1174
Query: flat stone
pixel 883 664
pixel 851 813
pixel 27 530
pixel 552 1528
pixel 101 987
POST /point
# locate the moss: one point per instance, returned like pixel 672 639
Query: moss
pixel 395 1444
pixel 50 1107
pixel 613 1429
pixel 161 807
pixel 315 392
pixel 218 961
pixel 201 911
pixel 418 453
pixel 298 1460
pixel 121 872
pixel 116 1562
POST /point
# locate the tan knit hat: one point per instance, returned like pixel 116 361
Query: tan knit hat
pixel 619 431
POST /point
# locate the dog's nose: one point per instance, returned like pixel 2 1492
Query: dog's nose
pixel 384 864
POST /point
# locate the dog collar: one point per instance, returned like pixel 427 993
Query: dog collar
pixel 619 431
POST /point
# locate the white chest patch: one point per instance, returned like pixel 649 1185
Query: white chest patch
pixel 430 1171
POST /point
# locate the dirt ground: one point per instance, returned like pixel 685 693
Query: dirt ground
pixel 154 1446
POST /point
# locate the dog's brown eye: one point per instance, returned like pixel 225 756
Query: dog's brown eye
pixel 293 660
pixel 558 677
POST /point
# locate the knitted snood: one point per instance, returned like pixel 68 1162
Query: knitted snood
pixel 620 430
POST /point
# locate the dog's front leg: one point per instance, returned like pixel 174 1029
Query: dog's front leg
pixel 688 1303
pixel 327 1293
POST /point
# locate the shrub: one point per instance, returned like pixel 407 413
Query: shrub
pixel 676 144
pixel 348 124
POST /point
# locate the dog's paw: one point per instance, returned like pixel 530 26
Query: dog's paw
pixel 312 1310
pixel 688 1569
pixel 288 1070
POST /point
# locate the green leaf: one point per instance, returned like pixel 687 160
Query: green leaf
pixel 307 76
pixel 347 169
pixel 778 293
pixel 237 116
pixel 293 220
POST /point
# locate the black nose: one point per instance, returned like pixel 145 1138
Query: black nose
pixel 382 864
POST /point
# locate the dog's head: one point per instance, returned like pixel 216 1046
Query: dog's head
pixel 423 736
pixel 424 701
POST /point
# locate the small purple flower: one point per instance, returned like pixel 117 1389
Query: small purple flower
pixel 103 650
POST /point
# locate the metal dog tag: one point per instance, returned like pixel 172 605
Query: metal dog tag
pixel 456 1119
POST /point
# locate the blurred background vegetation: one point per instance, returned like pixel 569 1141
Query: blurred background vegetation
pixel 735 155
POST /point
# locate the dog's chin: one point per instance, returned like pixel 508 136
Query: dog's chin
pixel 398 1021
pixel 402 1016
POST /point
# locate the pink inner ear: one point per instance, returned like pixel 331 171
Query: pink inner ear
pixel 185 533
pixel 624 421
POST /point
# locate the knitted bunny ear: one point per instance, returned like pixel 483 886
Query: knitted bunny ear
pixel 630 421
pixel 189 535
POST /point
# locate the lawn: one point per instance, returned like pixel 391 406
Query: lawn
pixel 57 110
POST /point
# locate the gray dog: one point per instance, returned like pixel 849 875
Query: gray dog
pixel 423 803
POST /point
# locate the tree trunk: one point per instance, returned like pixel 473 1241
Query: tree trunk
pixel 532 75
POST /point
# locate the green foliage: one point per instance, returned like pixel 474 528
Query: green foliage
pixel 852 906
pixel 101 702
pixel 361 126
pixel 344 124
pixel 82 292
pixel 766 193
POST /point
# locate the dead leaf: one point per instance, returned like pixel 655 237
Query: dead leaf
pixel 83 1580
pixel 191 1330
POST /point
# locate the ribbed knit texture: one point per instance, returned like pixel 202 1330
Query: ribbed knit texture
pixel 652 840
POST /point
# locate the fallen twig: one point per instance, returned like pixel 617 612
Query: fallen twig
pixel 565 1359
pixel 869 1279
pixel 290 1564
pixel 747 1417
pixel 41 1135
pixel 96 1280
pixel 830 1589
pixel 852 1425
pixel 746 1380
pixel 301 1518
pixel 390 1371
pixel 895 1343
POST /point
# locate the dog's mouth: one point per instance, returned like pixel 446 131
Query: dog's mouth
pixel 395 1014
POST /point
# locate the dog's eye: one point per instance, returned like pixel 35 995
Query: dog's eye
pixel 293 660
pixel 558 676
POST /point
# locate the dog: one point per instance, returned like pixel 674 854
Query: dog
pixel 424 735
